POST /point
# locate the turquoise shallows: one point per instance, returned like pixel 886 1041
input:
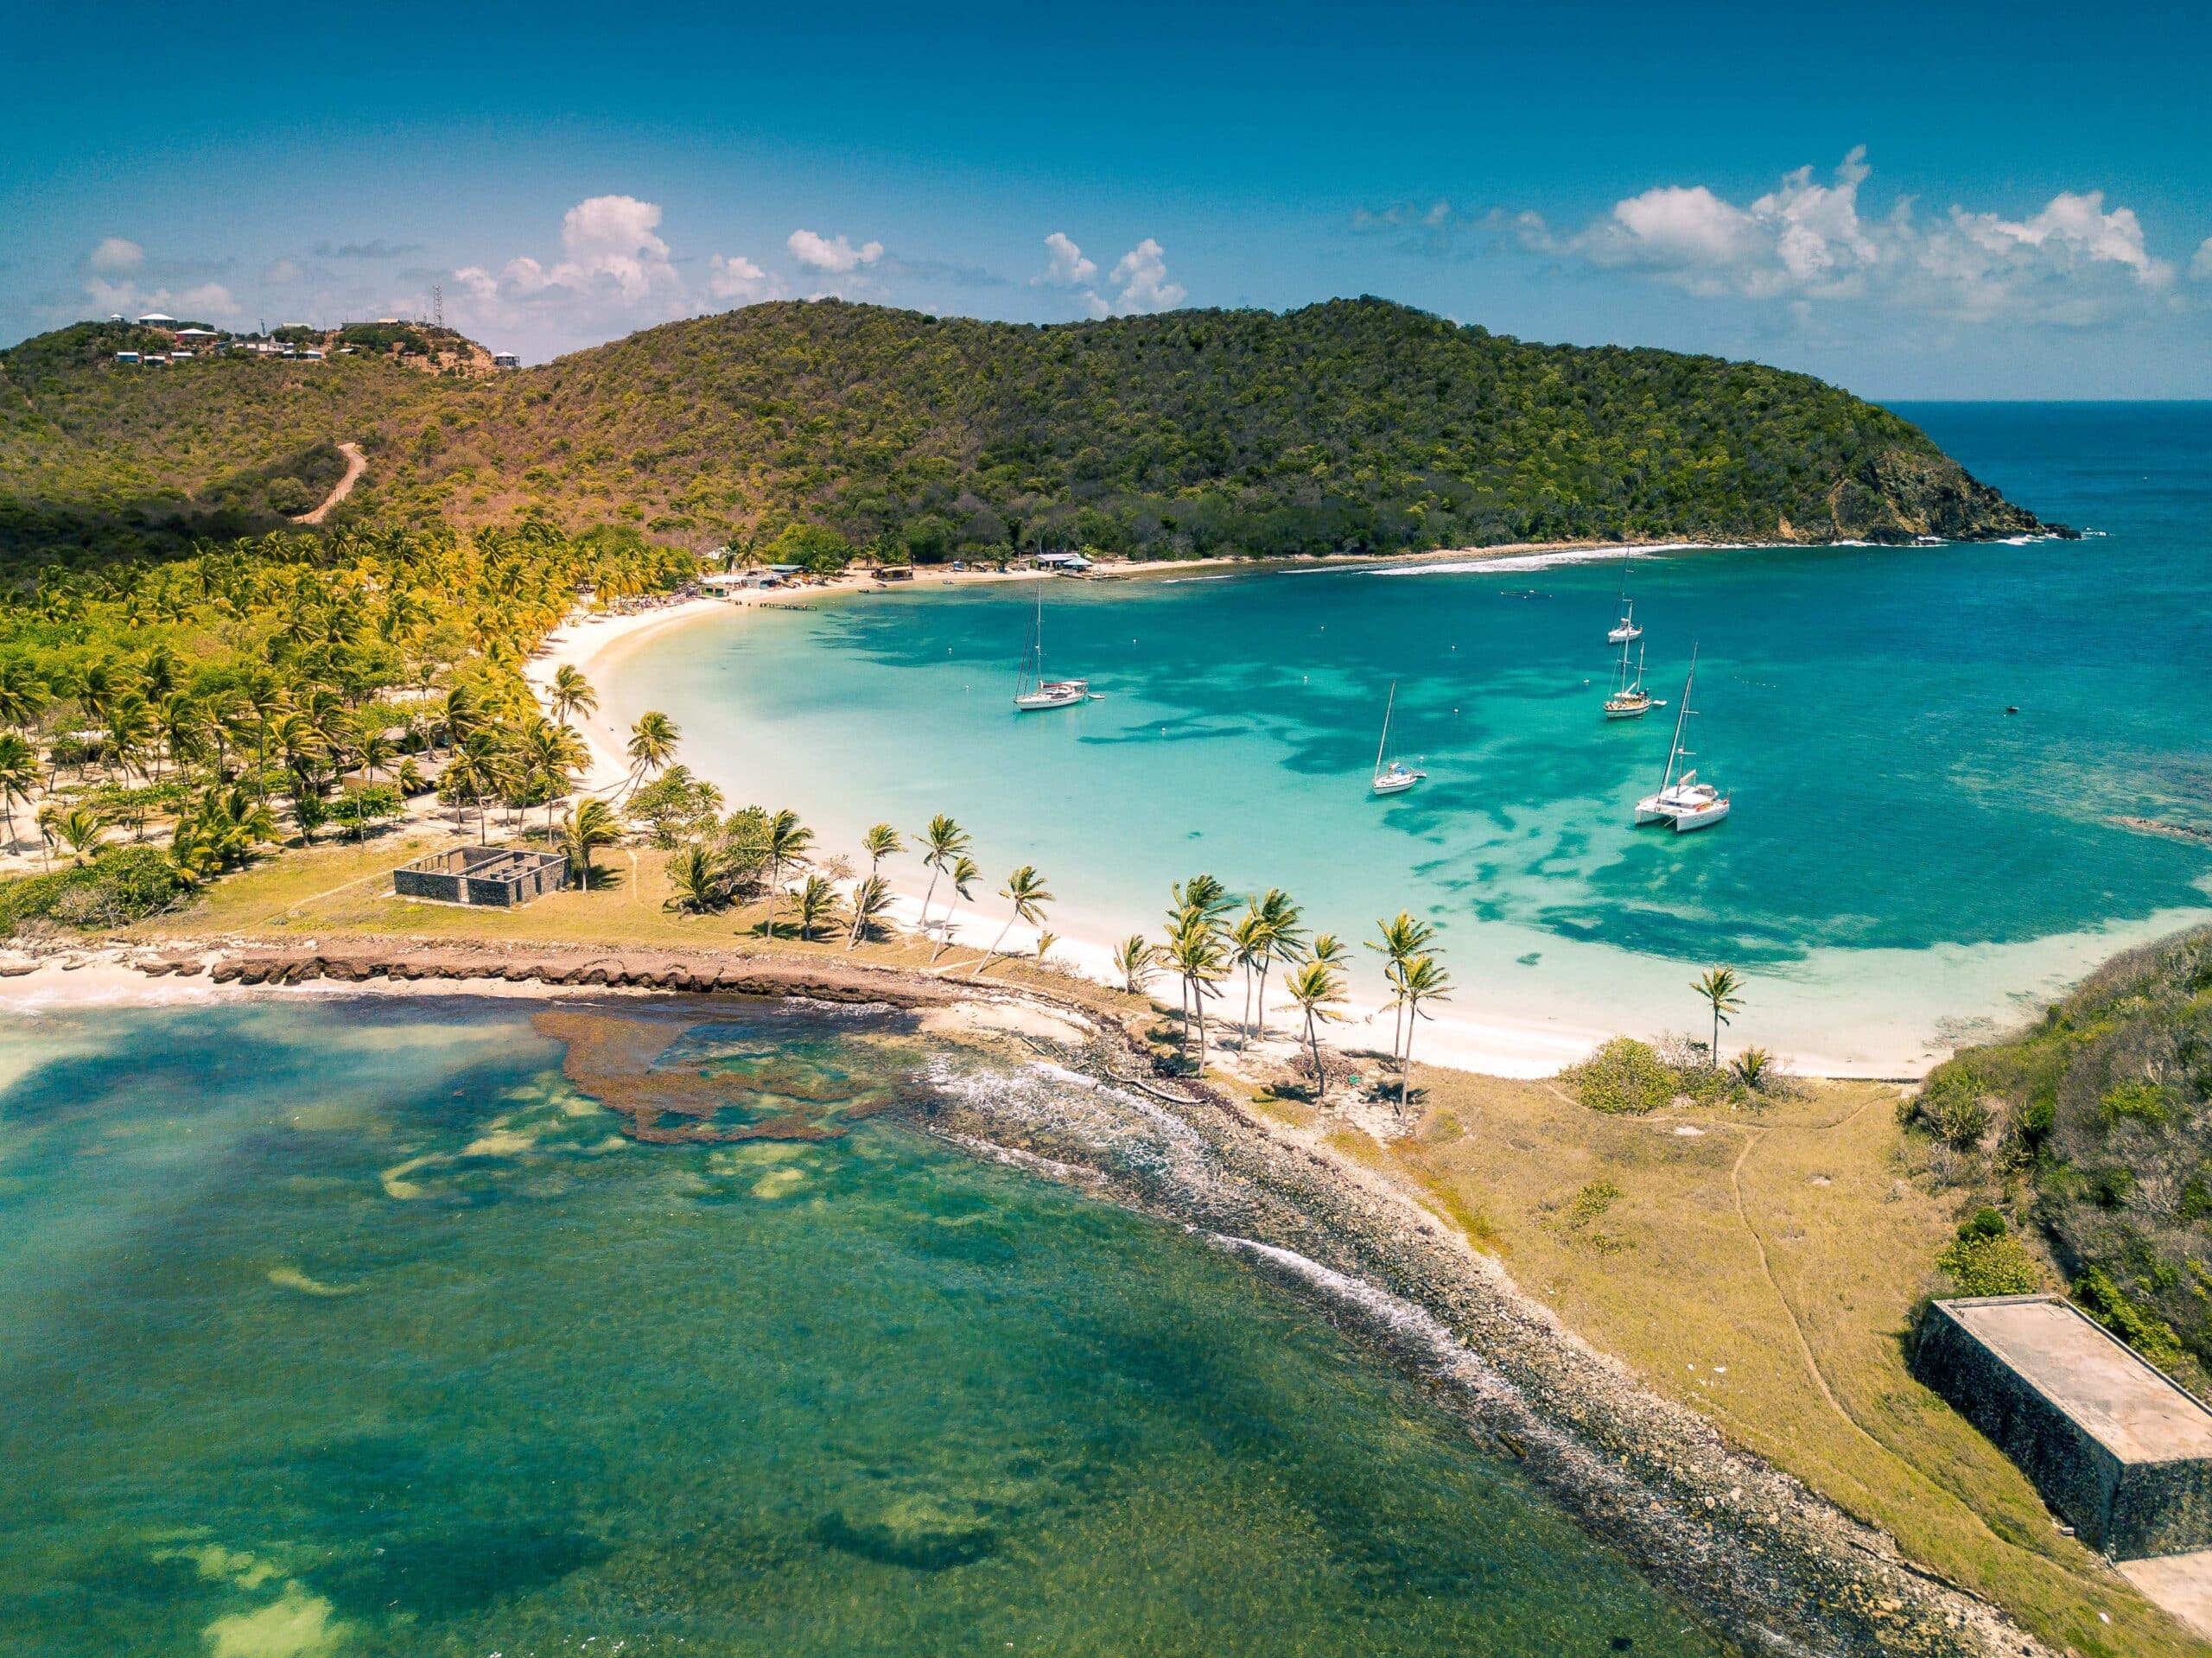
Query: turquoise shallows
pixel 1902 850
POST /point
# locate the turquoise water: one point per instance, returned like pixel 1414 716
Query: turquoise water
pixel 355 1327
pixel 1902 849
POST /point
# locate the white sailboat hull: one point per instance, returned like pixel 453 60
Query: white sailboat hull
pixel 1055 693
pixel 1397 782
pixel 1701 816
pixel 1624 634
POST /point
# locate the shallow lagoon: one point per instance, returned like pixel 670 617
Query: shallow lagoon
pixel 356 1326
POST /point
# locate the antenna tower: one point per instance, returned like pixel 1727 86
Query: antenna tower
pixel 438 303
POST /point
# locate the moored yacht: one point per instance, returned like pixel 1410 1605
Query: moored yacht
pixel 1392 777
pixel 1682 800
pixel 1034 692
pixel 1629 701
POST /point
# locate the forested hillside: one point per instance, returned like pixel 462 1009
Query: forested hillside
pixel 1352 426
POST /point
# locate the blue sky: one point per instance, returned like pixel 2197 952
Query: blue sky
pixel 1914 200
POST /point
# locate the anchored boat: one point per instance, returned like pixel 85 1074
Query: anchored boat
pixel 1683 801
pixel 1629 701
pixel 1393 776
pixel 1034 692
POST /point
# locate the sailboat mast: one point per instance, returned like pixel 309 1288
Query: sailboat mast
pixel 1385 743
pixel 1681 718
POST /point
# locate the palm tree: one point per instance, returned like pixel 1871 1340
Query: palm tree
pixel 695 881
pixel 1134 958
pixel 964 873
pixel 881 842
pixel 18 776
pixel 1026 889
pixel 1422 979
pixel 1247 948
pixel 263 698
pixel 1400 939
pixel 130 728
pixel 23 694
pixel 652 745
pixel 871 902
pixel 472 773
pixel 571 693
pixel 593 823
pixel 1286 943
pixel 1195 951
pixel 1719 986
pixel 817 902
pixel 459 716
pixel 1202 893
pixel 946 840
pixel 182 724
pixel 552 755
pixel 784 839
pixel 80 829
pixel 1328 949
pixel 1314 987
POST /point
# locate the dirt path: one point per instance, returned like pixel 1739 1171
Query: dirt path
pixel 356 464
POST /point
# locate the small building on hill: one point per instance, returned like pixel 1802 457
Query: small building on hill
pixel 505 360
pixel 2115 1445
pixel 502 876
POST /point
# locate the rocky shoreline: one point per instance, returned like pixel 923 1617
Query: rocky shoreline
pixel 1766 1562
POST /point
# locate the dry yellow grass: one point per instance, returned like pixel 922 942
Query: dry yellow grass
pixel 1761 1270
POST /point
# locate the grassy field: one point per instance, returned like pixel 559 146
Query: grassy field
pixel 341 888
pixel 1759 1269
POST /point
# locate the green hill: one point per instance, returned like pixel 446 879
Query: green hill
pixel 1351 426
pixel 2096 1125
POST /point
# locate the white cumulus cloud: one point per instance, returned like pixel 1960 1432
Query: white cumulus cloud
pixel 836 256
pixel 738 279
pixel 1067 268
pixel 1140 278
pixel 1808 240
pixel 2201 266
pixel 116 253
pixel 202 303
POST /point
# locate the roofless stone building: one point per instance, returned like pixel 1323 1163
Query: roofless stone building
pixel 2116 1446
pixel 481 874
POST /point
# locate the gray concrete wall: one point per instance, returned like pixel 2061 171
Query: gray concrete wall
pixel 2128 1509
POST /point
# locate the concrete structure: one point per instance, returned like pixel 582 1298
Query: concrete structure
pixel 1070 563
pixel 481 874
pixel 2118 1449
pixel 505 360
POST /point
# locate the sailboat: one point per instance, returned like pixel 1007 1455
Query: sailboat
pixel 1034 692
pixel 1626 630
pixel 1683 801
pixel 1629 701
pixel 1395 777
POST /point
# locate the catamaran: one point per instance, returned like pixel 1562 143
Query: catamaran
pixel 1683 801
pixel 1034 692
pixel 1629 701
pixel 1395 777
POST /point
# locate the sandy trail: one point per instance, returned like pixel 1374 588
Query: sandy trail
pixel 356 464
